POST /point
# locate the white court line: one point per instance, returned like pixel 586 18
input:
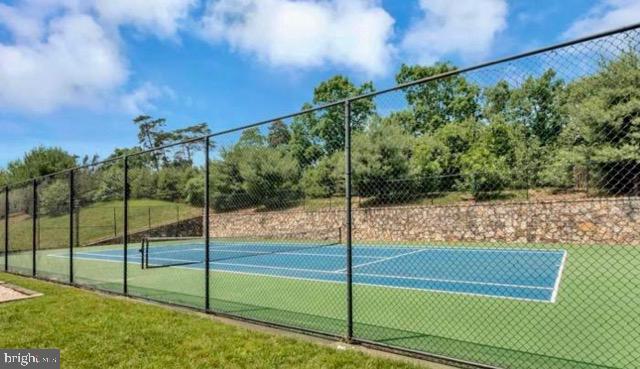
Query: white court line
pixel 453 281
pixel 119 260
pixel 462 248
pixel 556 286
pixel 151 258
pixel 276 268
pixel 382 260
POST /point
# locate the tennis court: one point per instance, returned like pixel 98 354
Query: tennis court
pixel 523 274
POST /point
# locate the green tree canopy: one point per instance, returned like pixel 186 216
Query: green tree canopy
pixel 39 162
pixel 538 104
pixel 603 134
pixel 278 134
pixel 438 102
pixel 327 124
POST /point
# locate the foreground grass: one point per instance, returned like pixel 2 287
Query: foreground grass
pixel 94 331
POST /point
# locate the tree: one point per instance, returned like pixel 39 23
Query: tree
pixel 143 183
pixel 438 102
pixel 457 138
pixel 381 162
pixel 151 135
pixel 511 143
pixel 53 198
pixel 429 161
pixel 278 134
pixel 172 180
pixel 184 152
pixel 483 173
pixel 4 177
pixel 303 145
pixel 39 162
pixel 270 176
pixel 149 130
pixel 109 185
pixel 251 137
pixel 326 178
pixel 538 104
pixel 603 133
pixel 194 191
pixel 328 125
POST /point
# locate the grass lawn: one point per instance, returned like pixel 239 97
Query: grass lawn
pixel 95 331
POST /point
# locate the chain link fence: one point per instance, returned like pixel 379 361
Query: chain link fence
pixel 486 217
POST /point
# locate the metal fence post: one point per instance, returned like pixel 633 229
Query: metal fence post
pixel 71 222
pixel 207 303
pixel 6 229
pixel 34 226
pixel 348 225
pixel 125 195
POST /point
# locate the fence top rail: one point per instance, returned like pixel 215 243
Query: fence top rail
pixel 354 98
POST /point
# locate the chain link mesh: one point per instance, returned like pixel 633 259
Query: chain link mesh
pixel 20 256
pixel 490 216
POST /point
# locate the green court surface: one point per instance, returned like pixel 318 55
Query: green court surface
pixel 598 284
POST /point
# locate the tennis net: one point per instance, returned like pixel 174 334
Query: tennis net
pixel 157 252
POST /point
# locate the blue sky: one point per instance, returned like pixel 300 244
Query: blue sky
pixel 73 73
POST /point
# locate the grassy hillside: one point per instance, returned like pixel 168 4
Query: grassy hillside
pixel 96 222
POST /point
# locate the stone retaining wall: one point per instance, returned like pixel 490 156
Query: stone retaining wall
pixel 593 221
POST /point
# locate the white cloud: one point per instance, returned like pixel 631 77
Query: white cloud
pixel 162 17
pixel 22 27
pixel 463 27
pixel 64 53
pixel 308 33
pixel 607 14
pixel 75 64
pixel 141 100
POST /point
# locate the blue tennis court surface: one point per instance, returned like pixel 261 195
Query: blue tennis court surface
pixel 525 274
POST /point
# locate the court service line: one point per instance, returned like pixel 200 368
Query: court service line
pixel 382 260
pixel 453 281
pixel 556 286
pixel 276 268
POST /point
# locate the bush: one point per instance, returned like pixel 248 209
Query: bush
pixel 194 191
pixel 428 163
pixel 54 198
pixel 381 162
pixel 269 175
pixel 172 182
pixel 326 178
pixel 110 184
pixel 143 183
pixel 483 173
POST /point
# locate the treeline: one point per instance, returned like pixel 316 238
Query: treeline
pixel 160 174
pixel 446 135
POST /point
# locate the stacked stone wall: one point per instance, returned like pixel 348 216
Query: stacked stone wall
pixel 593 221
